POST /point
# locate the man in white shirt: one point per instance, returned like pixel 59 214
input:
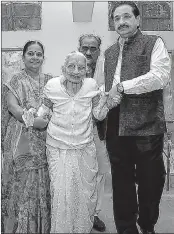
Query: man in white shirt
pixel 89 45
pixel 137 67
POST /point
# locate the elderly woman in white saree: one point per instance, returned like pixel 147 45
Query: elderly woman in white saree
pixel 71 151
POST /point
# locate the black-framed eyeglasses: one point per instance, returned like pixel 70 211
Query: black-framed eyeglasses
pixel 92 49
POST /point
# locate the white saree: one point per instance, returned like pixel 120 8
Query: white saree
pixel 73 180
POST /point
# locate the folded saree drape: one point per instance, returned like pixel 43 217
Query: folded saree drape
pixel 25 178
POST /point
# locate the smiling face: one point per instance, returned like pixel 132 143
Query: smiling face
pixel 90 48
pixel 33 57
pixel 125 21
pixel 75 68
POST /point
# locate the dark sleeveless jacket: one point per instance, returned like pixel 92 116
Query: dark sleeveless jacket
pixel 137 115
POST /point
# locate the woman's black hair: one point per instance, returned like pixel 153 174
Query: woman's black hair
pixel 29 43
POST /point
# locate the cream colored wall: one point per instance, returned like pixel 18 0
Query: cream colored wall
pixel 60 35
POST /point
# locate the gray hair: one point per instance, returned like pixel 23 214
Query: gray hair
pixel 82 37
pixel 74 53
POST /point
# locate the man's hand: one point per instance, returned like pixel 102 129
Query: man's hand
pixel 116 89
pixel 114 92
pixel 115 96
pixel 113 102
pixel 40 123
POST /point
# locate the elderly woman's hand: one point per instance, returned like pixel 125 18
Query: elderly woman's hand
pixel 100 99
pixel 104 98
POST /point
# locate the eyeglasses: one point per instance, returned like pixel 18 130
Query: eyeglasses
pixel 72 67
pixel 86 48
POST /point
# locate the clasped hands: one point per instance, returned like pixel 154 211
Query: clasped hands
pixel 112 98
pixel 31 118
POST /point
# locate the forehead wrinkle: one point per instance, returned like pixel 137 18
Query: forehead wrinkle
pixel 90 43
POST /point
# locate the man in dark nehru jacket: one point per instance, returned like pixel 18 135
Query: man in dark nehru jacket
pixel 137 67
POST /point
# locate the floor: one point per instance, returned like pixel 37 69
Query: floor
pixel 166 220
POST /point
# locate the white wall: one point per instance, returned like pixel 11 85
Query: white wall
pixel 60 34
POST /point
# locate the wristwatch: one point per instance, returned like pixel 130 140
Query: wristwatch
pixel 120 88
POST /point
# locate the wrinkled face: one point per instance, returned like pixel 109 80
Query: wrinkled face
pixel 33 57
pixel 75 68
pixel 125 21
pixel 89 47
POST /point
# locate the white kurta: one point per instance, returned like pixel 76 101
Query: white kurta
pixel 71 156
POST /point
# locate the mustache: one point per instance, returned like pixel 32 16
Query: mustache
pixel 88 56
pixel 123 25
